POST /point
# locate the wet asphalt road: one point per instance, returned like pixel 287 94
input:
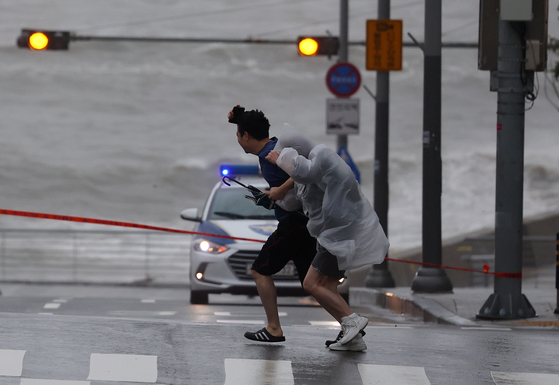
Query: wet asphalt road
pixel 98 335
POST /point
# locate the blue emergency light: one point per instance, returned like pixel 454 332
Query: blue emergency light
pixel 239 169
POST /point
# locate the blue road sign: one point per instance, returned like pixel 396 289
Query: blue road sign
pixel 343 79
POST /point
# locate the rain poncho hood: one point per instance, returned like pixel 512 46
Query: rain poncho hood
pixel 340 217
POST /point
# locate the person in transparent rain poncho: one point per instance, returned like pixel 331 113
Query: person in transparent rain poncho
pixel 342 220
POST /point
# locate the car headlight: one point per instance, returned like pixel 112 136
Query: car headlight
pixel 209 247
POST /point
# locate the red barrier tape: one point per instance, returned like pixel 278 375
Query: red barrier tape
pixel 485 271
pixel 155 228
pixel 114 223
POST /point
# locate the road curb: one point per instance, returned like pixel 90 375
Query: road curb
pixel 417 306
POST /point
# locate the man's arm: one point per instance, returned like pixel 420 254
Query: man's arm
pixel 278 193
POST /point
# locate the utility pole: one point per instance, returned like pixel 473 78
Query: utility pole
pixel 343 52
pixel 507 300
pixel 380 276
pixel 432 279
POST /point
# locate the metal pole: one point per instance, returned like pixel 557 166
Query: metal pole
pixel 432 279
pixel 343 51
pixel 379 276
pixel 507 301
pixel 557 275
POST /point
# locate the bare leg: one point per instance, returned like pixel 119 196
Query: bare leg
pixel 269 298
pixel 324 290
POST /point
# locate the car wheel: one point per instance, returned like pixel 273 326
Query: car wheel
pixel 198 298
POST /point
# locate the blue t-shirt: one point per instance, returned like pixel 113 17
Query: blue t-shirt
pixel 274 175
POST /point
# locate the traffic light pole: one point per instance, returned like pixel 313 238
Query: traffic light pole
pixel 432 279
pixel 343 52
pixel 380 276
pixel 507 300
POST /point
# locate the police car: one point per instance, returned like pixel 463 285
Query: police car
pixel 219 263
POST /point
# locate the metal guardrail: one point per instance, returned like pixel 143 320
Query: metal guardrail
pixel 89 256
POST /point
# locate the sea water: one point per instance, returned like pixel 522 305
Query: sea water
pixel 135 131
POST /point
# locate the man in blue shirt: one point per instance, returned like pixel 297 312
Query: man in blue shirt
pixel 291 240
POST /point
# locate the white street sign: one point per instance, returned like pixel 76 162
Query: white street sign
pixel 342 116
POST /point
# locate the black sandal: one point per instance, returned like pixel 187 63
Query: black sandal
pixel 263 335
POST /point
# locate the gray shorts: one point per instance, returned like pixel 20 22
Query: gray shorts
pixel 327 263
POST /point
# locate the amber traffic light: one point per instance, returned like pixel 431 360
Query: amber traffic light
pixel 43 40
pixel 318 45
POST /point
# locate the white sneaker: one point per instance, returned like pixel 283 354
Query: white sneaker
pixel 355 345
pixel 352 325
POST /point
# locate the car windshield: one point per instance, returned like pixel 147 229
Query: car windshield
pixel 230 203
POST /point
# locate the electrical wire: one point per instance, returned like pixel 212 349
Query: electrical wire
pixel 463 26
pixel 353 15
pixel 552 83
pixel 229 10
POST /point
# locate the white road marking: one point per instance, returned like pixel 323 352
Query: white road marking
pixel 122 367
pixel 227 314
pixel 11 362
pixel 222 313
pixel 258 372
pixel 392 374
pixel 502 378
pixel 148 301
pixel 140 313
pixel 240 321
pixel 60 300
pixel 484 328
pixel 30 381
pixel 51 305
pixel 335 324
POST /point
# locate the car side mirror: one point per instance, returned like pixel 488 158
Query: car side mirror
pixel 191 215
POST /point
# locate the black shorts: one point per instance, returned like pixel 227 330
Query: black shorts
pixel 327 264
pixel 290 241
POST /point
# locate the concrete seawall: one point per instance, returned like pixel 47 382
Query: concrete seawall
pixel 475 249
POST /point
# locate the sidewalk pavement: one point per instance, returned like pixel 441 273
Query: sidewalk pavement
pixel 462 305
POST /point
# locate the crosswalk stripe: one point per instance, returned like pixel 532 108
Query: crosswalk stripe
pixel 240 321
pixel 505 378
pixel 227 314
pixel 140 313
pixel 11 362
pixel 392 374
pixel 123 367
pixel 258 372
pixel 30 381
pixel 335 324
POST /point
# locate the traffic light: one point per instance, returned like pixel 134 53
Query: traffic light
pixel 318 45
pixel 43 40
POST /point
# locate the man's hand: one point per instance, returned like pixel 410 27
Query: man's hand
pixel 278 193
pixel 272 157
pixel 260 198
pixel 231 114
